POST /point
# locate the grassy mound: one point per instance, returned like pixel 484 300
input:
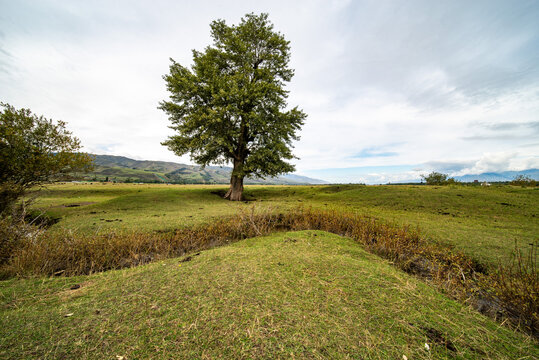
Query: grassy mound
pixel 305 294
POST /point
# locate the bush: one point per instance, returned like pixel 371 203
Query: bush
pixel 517 286
pixel 523 180
pixel 436 178
pixel 15 233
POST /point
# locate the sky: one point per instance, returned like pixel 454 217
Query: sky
pixel 392 89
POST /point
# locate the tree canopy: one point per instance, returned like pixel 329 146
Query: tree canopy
pixel 34 150
pixel 436 178
pixel 230 106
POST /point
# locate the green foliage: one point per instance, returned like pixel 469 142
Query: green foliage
pixel 436 178
pixel 230 106
pixel 523 180
pixel 34 150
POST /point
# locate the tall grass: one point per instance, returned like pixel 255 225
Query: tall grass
pixel 511 292
pixel 517 286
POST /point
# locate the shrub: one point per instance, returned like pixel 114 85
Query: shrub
pixel 15 232
pixel 436 178
pixel 517 285
pixel 523 180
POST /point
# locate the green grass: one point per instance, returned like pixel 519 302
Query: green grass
pixel 306 294
pixel 485 223
pixel 139 207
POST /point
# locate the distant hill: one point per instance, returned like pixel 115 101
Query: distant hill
pixel 123 169
pixel 499 176
pixel 504 176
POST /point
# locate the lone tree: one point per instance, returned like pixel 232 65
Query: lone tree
pixel 229 107
pixel 436 178
pixel 33 150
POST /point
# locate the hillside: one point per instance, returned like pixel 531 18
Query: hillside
pixel 305 294
pixel 503 176
pixel 123 169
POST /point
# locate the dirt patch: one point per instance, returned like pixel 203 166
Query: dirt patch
pixel 436 337
pixel 189 258
pixel 338 188
pixel 41 219
pixel 75 290
pixel 222 193
pixel 506 204
pixel 79 204
pixel 84 203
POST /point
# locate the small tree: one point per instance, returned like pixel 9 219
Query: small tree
pixel 34 150
pixel 436 178
pixel 230 106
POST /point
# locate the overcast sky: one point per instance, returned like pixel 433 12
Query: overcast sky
pixel 392 89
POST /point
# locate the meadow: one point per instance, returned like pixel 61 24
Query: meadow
pixel 301 294
pixel 485 222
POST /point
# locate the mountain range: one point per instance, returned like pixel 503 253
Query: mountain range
pixel 499 176
pixel 503 176
pixel 123 169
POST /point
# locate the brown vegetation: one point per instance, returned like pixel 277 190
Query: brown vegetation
pixel 524 181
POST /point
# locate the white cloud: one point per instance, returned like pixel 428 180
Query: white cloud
pixel 499 162
pixel 415 83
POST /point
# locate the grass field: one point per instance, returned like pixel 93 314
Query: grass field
pixel 291 295
pixel 307 294
pixel 484 222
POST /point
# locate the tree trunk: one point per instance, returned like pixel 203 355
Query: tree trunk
pixel 235 192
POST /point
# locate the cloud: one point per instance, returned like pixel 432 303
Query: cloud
pixel 505 131
pixel 385 84
pixel 4 64
pixel 533 125
pixel 373 152
pixel 499 162
pixel 446 166
pixel 493 137
pixel 488 162
pixel 443 54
